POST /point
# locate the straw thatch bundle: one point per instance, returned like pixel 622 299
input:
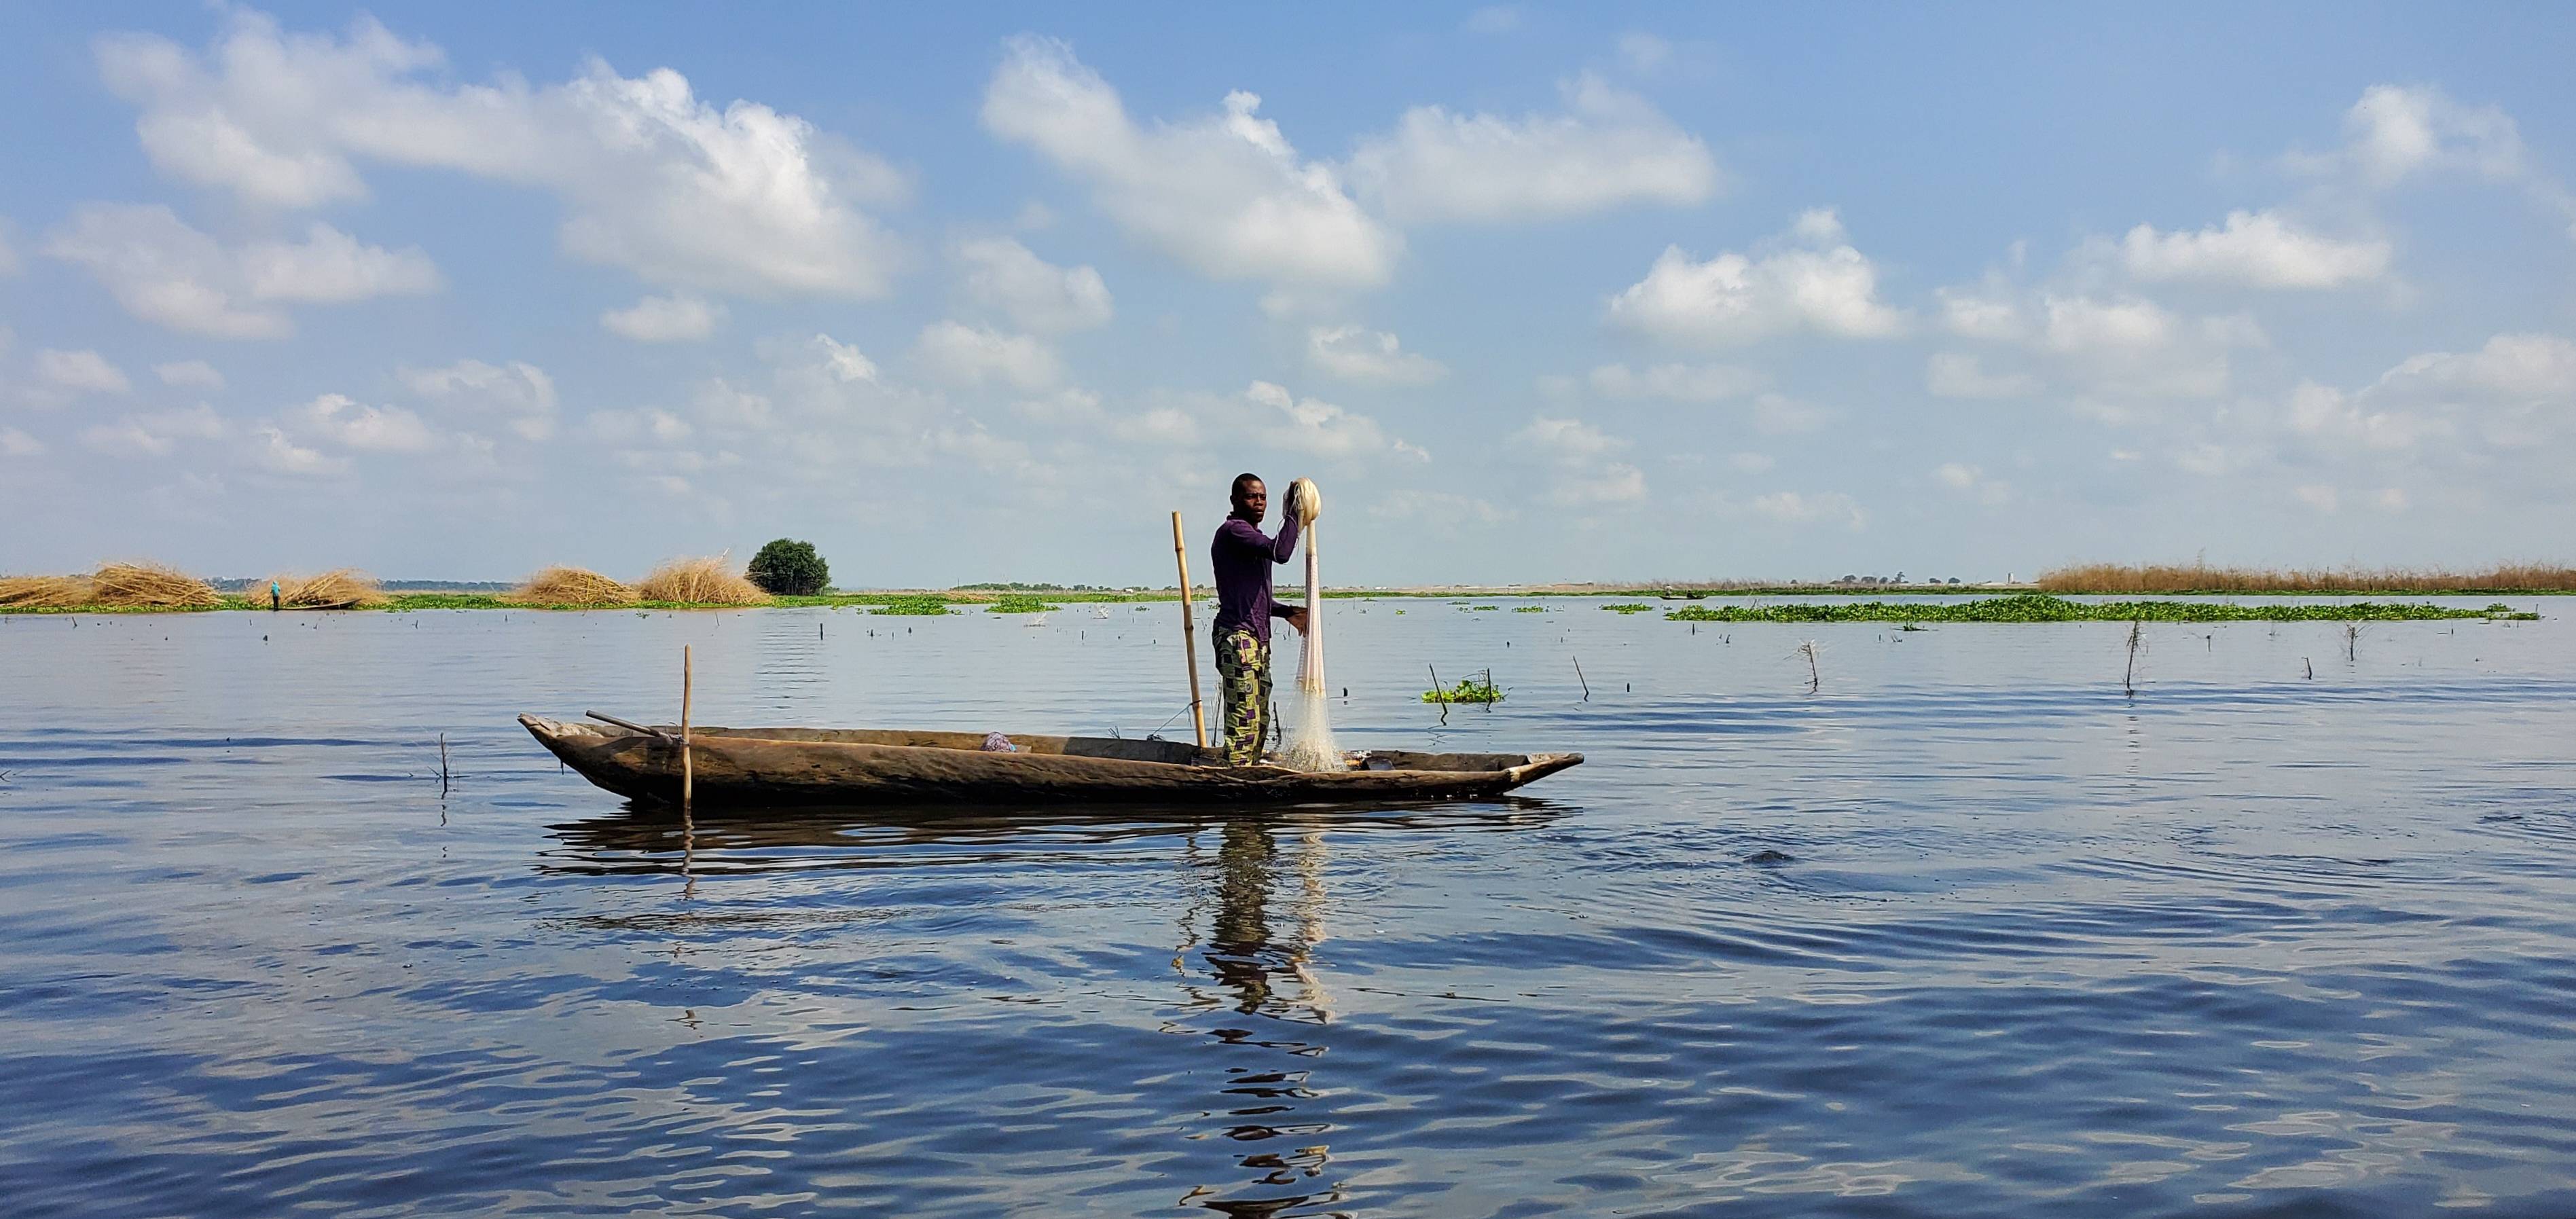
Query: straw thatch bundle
pixel 150 586
pixel 340 588
pixel 703 581
pixel 572 586
pixel 44 592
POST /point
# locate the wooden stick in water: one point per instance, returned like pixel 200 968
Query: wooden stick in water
pixel 688 764
pixel 1189 630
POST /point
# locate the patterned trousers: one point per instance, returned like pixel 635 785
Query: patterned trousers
pixel 1243 684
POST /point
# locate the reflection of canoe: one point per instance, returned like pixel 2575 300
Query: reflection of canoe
pixel 770 766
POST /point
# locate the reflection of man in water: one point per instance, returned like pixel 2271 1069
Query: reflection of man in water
pixel 1268 978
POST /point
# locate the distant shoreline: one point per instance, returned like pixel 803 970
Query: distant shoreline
pixel 1982 603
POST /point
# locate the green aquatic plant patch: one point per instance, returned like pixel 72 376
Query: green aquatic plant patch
pixel 914 607
pixel 2039 607
pixel 1628 607
pixel 1016 604
pixel 1529 609
pixel 1469 690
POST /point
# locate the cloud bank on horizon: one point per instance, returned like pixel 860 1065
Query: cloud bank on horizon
pixel 1541 294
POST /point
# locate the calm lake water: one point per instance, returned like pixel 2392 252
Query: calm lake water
pixel 1963 932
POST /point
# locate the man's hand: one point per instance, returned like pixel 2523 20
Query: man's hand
pixel 1297 619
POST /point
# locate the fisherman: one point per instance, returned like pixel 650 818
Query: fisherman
pixel 275 594
pixel 1243 558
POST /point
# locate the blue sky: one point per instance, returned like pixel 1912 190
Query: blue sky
pixel 1534 293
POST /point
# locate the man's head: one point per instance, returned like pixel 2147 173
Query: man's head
pixel 1251 499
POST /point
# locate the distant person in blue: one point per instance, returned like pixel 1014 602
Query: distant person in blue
pixel 1242 560
pixel 274 595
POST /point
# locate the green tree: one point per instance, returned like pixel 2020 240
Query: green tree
pixel 789 568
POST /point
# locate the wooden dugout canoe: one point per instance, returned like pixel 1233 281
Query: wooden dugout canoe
pixel 750 767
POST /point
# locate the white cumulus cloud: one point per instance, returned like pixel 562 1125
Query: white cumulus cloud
pixel 2396 131
pixel 679 317
pixel 1608 148
pixel 1035 294
pixel 974 355
pixel 2255 250
pixel 190 374
pixel 1585 471
pixel 1224 193
pixel 277 454
pixel 331 267
pixel 1972 482
pixel 519 392
pixel 1320 429
pixel 2134 347
pixel 1810 508
pixel 155 434
pixel 168 273
pixel 1984 312
pixel 2511 366
pixel 1952 374
pixel 651 178
pixel 343 422
pixel 80 372
pixel 1811 280
pixel 1372 357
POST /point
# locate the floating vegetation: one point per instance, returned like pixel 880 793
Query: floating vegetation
pixel 1468 690
pixel 2039 607
pixel 1478 608
pixel 1018 604
pixel 1629 607
pixel 2202 578
pixel 572 586
pixel 1529 609
pixel 915 607
pixel 703 581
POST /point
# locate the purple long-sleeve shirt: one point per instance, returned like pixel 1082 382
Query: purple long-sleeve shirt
pixel 1243 558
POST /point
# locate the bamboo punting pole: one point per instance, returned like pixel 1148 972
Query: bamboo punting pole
pixel 688 765
pixel 1189 629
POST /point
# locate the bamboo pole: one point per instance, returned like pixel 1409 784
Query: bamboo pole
pixel 1189 630
pixel 1310 670
pixel 688 764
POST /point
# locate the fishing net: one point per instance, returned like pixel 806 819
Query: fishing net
pixel 1309 743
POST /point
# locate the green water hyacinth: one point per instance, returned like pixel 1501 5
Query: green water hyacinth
pixel 1469 690
pixel 2039 607
pixel 917 607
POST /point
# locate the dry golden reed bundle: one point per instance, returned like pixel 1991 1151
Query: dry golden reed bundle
pixel 150 586
pixel 44 592
pixel 2202 578
pixel 572 586
pixel 340 588
pixel 703 581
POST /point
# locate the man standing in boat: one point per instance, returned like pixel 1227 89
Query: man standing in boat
pixel 1242 561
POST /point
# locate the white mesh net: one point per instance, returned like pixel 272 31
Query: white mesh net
pixel 1308 718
